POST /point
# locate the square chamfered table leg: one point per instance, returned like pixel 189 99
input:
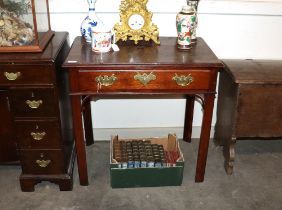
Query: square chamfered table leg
pixel 79 139
pixel 188 121
pixel 87 120
pixel 205 137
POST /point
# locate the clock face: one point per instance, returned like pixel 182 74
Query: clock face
pixel 136 22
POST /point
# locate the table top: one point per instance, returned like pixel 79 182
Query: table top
pixel 164 55
pixel 254 71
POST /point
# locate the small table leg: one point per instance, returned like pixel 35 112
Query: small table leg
pixel 88 129
pixel 188 121
pixel 205 137
pixel 79 139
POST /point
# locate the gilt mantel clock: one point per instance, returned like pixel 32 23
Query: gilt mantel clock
pixel 136 23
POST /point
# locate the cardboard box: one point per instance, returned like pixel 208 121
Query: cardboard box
pixel 148 177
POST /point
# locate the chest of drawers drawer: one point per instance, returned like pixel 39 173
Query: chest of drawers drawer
pixel 38 134
pixel 156 81
pixel 42 161
pixel 25 74
pixel 31 102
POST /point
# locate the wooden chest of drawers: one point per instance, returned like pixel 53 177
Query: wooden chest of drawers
pixel 38 105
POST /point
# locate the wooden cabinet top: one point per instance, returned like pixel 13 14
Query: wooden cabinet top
pixel 254 71
pixel 165 55
pixel 48 55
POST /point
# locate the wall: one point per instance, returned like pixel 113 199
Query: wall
pixel 232 28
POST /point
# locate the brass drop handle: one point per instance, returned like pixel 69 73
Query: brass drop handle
pixel 34 104
pixel 106 80
pixel 37 136
pixel 183 80
pixel 12 76
pixel 43 163
pixel 145 78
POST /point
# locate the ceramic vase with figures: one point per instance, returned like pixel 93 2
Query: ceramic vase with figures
pixel 90 21
pixel 185 21
pixel 194 5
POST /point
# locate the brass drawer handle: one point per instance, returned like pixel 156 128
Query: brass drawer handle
pixel 183 80
pixel 43 163
pixel 145 78
pixel 34 104
pixel 12 76
pixel 37 136
pixel 106 80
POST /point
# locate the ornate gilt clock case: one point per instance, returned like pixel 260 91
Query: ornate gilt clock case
pixel 136 23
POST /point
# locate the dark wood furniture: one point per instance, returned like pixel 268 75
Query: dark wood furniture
pixel 8 151
pixel 36 114
pixel 144 72
pixel 249 104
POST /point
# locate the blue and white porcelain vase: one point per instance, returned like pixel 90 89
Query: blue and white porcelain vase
pixel 90 21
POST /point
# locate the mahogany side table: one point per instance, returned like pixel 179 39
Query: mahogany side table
pixel 157 71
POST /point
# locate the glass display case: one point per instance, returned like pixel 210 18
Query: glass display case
pixel 24 25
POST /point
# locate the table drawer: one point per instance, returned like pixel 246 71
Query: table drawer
pixel 38 134
pixel 25 74
pixel 156 81
pixel 42 161
pixel 31 102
